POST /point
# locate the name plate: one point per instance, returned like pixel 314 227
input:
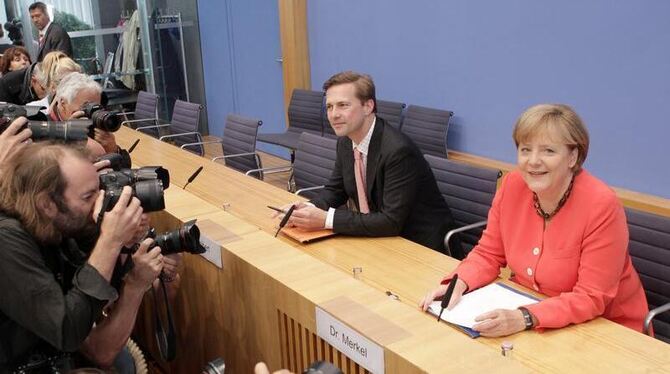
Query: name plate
pixel 213 248
pixel 348 341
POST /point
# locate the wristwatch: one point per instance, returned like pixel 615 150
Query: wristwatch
pixel 527 318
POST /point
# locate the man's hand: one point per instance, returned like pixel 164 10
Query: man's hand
pixel 285 208
pixel 127 213
pixel 147 266
pixel 308 217
pixel 140 231
pixel 12 140
pixel 106 139
pixel 500 322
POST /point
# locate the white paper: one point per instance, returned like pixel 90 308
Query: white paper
pixel 480 301
pixel 213 253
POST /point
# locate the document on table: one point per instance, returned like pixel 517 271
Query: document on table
pixel 482 300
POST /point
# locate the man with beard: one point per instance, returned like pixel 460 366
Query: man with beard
pixel 52 292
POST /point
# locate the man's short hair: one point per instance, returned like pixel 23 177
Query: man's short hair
pixel 31 174
pixel 38 5
pixel 365 87
pixel 73 83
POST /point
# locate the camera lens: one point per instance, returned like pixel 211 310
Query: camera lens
pixel 106 120
pixel 67 131
pixel 150 194
pixel 185 239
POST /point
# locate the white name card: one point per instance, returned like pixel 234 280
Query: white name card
pixel 213 253
pixel 346 340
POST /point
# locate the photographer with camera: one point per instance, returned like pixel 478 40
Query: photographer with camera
pixel 76 92
pixel 23 86
pixel 52 291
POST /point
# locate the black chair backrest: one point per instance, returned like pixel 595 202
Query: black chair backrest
pixel 469 192
pixel 391 111
pixel 649 248
pixel 305 111
pixel 185 118
pixel 314 162
pixel 427 127
pixel 239 136
pixel 146 106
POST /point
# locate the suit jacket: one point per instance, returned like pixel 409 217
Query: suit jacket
pixel 402 193
pixel 55 39
pixel 580 260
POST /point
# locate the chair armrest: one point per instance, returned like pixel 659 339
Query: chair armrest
pixel 298 192
pixel 278 169
pixel 152 127
pixel 199 143
pixel 652 314
pixel 139 120
pixel 235 155
pixel 176 135
pixel 451 233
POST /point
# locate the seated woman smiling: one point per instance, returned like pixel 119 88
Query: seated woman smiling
pixel 560 230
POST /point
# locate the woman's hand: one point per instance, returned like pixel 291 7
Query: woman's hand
pixel 500 322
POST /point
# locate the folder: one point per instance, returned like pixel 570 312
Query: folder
pixel 304 236
pixel 479 301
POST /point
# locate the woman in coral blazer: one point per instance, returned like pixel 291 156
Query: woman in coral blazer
pixel 560 230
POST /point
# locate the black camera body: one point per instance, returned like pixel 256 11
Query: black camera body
pixel 148 184
pixel 107 120
pixel 117 161
pixel 73 130
pixel 183 239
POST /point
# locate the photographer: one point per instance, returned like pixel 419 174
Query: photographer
pixel 75 90
pixel 52 293
pixel 23 86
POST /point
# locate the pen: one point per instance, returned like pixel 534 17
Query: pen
pixel 276 209
pixel 447 296
pixel 284 220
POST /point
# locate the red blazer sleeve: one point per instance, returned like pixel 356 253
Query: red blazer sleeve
pixel 603 256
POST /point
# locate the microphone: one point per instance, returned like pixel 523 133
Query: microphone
pixel 132 147
pixel 192 177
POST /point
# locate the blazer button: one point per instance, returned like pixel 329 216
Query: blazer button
pixel 535 287
pixel 536 251
pixel 529 271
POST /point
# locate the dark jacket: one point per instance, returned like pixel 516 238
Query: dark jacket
pixel 402 193
pixel 55 39
pixel 15 86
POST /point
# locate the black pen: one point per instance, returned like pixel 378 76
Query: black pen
pixel 276 209
pixel 447 296
pixel 284 220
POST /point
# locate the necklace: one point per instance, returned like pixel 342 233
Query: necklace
pixel 545 215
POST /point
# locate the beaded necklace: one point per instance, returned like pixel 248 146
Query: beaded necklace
pixel 548 216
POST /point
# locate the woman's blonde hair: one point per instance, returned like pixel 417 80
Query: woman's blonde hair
pixel 554 120
pixel 55 66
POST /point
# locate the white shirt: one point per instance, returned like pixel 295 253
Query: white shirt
pixel 362 147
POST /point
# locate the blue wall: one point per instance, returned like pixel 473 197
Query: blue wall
pixel 240 42
pixel 488 60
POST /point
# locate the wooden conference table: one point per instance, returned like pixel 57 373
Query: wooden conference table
pixel 261 305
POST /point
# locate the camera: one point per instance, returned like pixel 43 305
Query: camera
pixel 107 120
pixel 73 130
pixel 117 161
pixel 14 33
pixel 148 184
pixel 183 239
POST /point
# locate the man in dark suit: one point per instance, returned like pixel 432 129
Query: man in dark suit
pixel 52 37
pixel 380 169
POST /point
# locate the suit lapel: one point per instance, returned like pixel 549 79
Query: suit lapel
pixel 44 43
pixel 374 155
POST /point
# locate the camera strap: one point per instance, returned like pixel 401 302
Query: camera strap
pixel 167 341
pixel 105 205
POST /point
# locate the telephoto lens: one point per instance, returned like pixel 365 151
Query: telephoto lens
pixel 184 239
pixel 107 120
pixel 73 130
pixel 216 366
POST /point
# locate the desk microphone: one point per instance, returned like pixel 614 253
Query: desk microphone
pixel 132 147
pixel 192 177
